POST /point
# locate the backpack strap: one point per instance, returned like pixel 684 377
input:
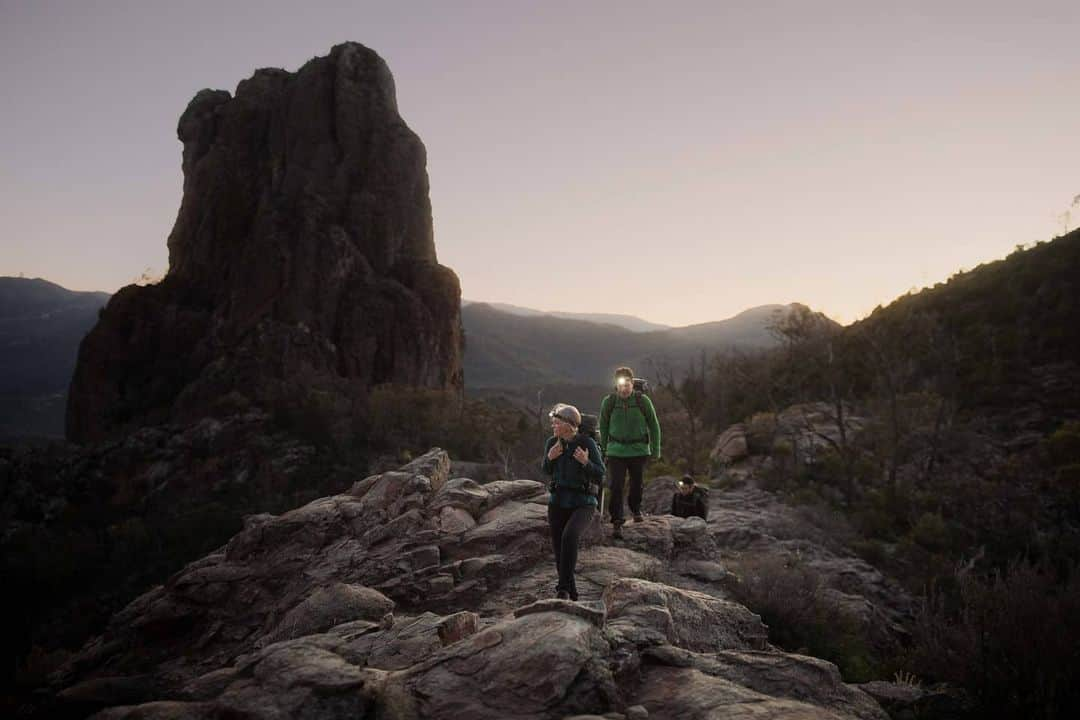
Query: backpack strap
pixel 609 408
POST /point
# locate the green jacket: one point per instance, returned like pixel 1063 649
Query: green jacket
pixel 570 479
pixel 627 430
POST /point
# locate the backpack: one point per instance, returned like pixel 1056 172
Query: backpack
pixel 590 429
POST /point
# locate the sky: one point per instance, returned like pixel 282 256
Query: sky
pixel 678 161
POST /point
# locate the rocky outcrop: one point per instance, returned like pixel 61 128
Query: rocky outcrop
pixel 805 431
pixel 730 445
pixel 905 701
pixel 302 265
pixel 750 527
pixel 755 528
pixel 367 604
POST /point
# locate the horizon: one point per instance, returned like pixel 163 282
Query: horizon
pixel 693 161
pixel 737 313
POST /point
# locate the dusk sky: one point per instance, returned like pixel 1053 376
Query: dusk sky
pixel 679 161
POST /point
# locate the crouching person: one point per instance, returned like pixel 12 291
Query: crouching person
pixel 689 500
pixel 574 464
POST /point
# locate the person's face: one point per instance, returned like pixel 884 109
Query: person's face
pixel 624 386
pixel 561 428
pixel 685 488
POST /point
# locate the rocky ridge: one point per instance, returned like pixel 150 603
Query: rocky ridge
pixel 417 594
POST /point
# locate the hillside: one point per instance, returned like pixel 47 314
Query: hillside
pixel 1004 336
pixel 630 322
pixel 41 325
pixel 506 350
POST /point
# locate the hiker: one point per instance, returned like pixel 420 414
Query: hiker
pixel 629 436
pixel 689 500
pixel 573 461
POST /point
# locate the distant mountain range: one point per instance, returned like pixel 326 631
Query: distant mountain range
pixel 506 347
pixel 630 322
pixel 41 326
pixel 519 349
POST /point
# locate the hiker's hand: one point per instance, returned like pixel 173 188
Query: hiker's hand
pixel 581 456
pixel 555 451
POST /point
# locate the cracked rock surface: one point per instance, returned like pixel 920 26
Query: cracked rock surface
pixel 367 604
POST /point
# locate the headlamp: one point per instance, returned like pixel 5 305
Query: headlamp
pixel 622 381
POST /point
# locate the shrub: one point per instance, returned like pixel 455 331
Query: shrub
pixel 931 532
pixel 875 517
pixel 1009 638
pixel 760 432
pixel 1064 444
pixel 872 551
pixel 792 600
pixel 659 468
pixel 400 419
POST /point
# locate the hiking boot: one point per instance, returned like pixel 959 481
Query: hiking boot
pixel 562 595
pixel 616 532
pixel 638 517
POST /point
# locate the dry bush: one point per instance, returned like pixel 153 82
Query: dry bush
pixel 1009 638
pixel 411 420
pixel 791 600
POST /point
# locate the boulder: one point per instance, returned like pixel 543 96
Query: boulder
pixel 691 694
pixel 545 664
pixel 329 606
pixel 730 446
pixel 706 570
pixel 656 497
pixel 455 521
pixel 461 493
pixel 506 524
pixel 652 536
pixel 594 612
pixel 409 640
pixel 904 701
pixel 777 675
pixel 500 491
pixel 649 613
pixel 811 429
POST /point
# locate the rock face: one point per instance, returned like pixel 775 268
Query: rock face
pixel 302 265
pixel 730 445
pixel 366 604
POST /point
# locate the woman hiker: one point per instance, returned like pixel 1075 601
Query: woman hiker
pixel 573 462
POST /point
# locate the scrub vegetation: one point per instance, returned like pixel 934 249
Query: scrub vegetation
pixel 963 480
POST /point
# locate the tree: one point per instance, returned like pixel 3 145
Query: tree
pixel 689 392
pixel 818 363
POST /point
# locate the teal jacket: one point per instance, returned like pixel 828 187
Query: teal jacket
pixel 570 479
pixel 627 430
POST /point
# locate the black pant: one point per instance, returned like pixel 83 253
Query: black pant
pixel 567 525
pixel 617 468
